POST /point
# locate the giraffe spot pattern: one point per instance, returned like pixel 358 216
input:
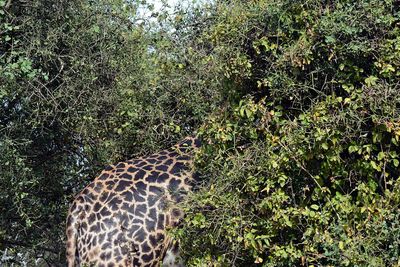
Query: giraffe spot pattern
pixel 120 218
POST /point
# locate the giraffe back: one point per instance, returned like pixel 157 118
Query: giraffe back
pixel 120 218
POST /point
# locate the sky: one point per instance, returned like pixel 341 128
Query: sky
pixel 158 4
pixel 144 14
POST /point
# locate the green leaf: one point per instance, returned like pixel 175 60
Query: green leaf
pixel 396 162
pixel 314 207
pixel 249 113
pixel 325 146
pixel 241 112
pixel 375 166
pixel 96 28
pixel 372 184
pixel 371 80
pixel 330 39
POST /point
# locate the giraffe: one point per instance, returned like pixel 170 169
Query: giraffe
pixel 120 218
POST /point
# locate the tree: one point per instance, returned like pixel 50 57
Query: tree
pixel 81 86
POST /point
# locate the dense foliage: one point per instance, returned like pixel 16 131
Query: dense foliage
pixel 80 86
pixel 303 168
pixel 297 103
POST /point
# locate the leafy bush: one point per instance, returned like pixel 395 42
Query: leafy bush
pixel 303 169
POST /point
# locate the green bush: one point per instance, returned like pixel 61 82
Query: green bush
pixel 302 169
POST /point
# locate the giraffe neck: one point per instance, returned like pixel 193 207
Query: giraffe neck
pixel 186 150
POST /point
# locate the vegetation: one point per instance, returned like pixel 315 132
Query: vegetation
pixel 297 103
pixel 81 86
pixel 303 169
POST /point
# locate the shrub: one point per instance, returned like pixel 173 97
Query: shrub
pixel 302 168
